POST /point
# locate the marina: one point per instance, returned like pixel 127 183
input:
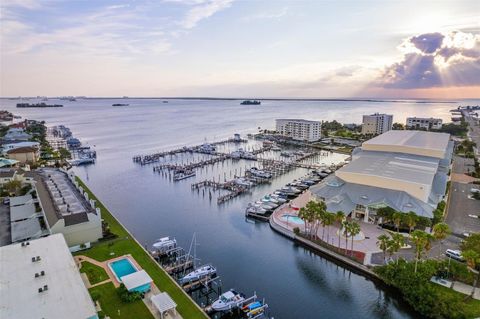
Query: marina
pixel 235 245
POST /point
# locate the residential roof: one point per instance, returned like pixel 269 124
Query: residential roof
pixel 398 166
pixel 66 295
pixel 25 229
pixel 22 212
pixel 7 173
pixel 163 302
pixel 136 279
pixel 410 142
pixel 24 149
pixel 20 200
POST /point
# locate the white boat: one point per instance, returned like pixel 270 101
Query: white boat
pixel 182 175
pixel 278 198
pixel 276 149
pixel 164 244
pixel 286 154
pixel 256 210
pixel 258 173
pixel 206 148
pixel 265 205
pixel 228 300
pixel 236 155
pixel 199 273
pixel 243 182
pixel 291 190
pixel 270 199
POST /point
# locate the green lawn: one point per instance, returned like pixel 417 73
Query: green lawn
pixel 471 307
pixel 94 273
pixel 123 245
pixel 113 307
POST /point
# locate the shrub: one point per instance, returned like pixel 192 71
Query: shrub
pixel 296 231
pixel 127 296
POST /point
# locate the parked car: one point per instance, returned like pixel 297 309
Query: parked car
pixel 6 201
pixel 454 254
pixel 474 190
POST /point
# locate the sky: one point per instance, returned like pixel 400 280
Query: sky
pixel 241 48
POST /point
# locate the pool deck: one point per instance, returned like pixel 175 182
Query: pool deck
pixel 79 259
pixel 367 245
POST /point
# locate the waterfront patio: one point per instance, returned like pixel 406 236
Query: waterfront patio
pixel 366 244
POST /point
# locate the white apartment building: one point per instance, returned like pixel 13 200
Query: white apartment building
pixel 39 279
pixel 301 130
pixel 377 123
pixel 424 123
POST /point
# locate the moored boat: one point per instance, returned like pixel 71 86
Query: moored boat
pixel 228 300
pixel 199 273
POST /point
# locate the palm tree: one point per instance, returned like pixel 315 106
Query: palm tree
pixel 473 260
pixel 396 243
pixel 419 238
pixel 354 231
pixel 411 220
pixel 339 216
pixel 13 186
pixel 329 219
pixel 303 214
pixel 383 243
pixel 397 220
pixel 440 232
pixel 346 231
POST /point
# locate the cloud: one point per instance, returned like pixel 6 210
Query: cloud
pixel 435 60
pixel 270 15
pixel 203 10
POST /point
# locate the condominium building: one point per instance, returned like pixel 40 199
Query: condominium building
pixel 405 170
pixel 39 279
pixel 56 204
pixel 377 123
pixel 301 130
pixel 424 123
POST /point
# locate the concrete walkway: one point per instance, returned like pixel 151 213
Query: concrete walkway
pixel 466 289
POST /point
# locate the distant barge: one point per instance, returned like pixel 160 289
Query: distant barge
pixel 38 105
pixel 120 104
pixel 251 102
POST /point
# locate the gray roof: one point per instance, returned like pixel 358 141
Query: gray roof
pixel 26 229
pixel 20 200
pixel 399 166
pixel 410 141
pixel 343 196
pixel 22 212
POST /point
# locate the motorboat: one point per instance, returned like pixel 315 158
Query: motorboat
pixel 235 155
pixel 265 205
pixel 243 182
pixel 199 273
pixel 228 300
pixel 270 199
pixel 291 190
pixel 278 198
pixel 308 182
pixel 285 154
pixel 183 174
pixel 258 173
pixel 206 149
pixel 164 244
pixel 276 148
pixel 256 210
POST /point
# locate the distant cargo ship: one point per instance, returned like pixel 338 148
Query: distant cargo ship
pixel 38 105
pixel 120 104
pixel 251 102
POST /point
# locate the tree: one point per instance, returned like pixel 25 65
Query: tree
pixel 411 220
pixel 346 232
pixel 395 244
pixel 471 243
pixel 339 216
pixel 13 186
pixel 398 126
pixel 383 243
pixel 473 260
pixel 422 242
pixel 397 220
pixel 440 232
pixel 354 231
pixel 329 218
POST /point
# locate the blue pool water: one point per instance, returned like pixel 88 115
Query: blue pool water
pixel 122 268
pixel 293 219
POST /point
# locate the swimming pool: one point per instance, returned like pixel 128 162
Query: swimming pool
pixel 292 219
pixel 122 267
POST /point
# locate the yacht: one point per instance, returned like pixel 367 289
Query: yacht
pixel 270 199
pixel 164 244
pixel 290 190
pixel 243 182
pixel 254 209
pixel 279 199
pixel 258 173
pixel 199 273
pixel 228 300
pixel 265 205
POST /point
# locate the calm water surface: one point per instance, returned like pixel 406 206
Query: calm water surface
pixel 248 255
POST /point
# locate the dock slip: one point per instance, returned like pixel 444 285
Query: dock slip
pixel 155 157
